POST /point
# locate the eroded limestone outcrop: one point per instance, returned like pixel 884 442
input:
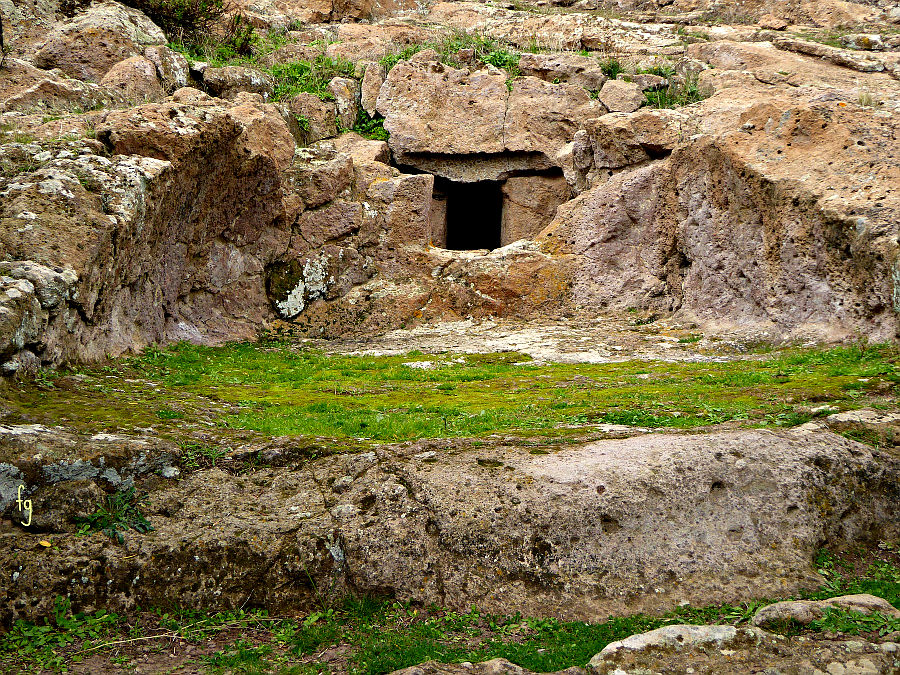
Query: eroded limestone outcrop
pixel 639 524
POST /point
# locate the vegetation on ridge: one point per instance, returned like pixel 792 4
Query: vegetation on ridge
pixel 364 636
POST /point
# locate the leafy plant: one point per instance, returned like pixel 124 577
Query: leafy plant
pixel 370 127
pixel 392 59
pixel 118 513
pixel 484 49
pixel 502 58
pixel 310 77
pixel 660 70
pixel 198 456
pixel 43 646
pixel 242 657
pixel 239 35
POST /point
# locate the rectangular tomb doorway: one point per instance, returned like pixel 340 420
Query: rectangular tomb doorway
pixel 491 214
pixel 466 216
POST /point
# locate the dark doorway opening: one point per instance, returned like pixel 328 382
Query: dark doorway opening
pixel 474 213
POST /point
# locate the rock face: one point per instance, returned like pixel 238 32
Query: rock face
pixel 136 78
pixel 804 278
pixel 469 126
pixel 619 96
pixel 582 71
pixel 229 81
pixel 639 524
pixel 768 209
pixel 159 253
pixel 529 205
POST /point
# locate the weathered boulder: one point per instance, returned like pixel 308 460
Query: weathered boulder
pixel 864 41
pixel 371 84
pixel 92 42
pixel 646 81
pixel 346 96
pixel 824 256
pixel 807 611
pixel 621 96
pixel 136 79
pixel 315 118
pixel 24 88
pixel 22 321
pixel 474 125
pixel 171 232
pixel 360 42
pixel 582 71
pixel 825 13
pixel 281 13
pixel 171 67
pixel 709 650
pixel 529 205
pixel 229 81
pixel 848 58
pixel 772 65
pixel 65 472
pixel 638 524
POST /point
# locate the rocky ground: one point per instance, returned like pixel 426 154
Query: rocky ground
pixel 518 270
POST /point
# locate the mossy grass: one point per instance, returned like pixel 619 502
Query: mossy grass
pixel 279 389
pixel 377 636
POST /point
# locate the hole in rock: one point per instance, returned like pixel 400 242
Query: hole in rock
pixel 472 213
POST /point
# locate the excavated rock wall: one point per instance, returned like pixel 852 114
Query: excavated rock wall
pixel 768 209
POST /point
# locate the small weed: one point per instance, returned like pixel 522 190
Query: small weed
pixel 302 123
pixel 169 414
pixel 197 456
pixel 665 71
pixel 677 94
pixel 692 35
pixel 118 513
pixel 242 657
pixel 392 59
pixel 611 67
pixel 484 49
pixel 867 100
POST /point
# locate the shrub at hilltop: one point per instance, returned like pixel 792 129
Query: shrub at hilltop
pixel 181 16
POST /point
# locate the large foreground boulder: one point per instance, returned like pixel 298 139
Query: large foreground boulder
pixel 640 524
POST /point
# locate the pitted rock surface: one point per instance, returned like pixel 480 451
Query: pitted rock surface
pixel 638 524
